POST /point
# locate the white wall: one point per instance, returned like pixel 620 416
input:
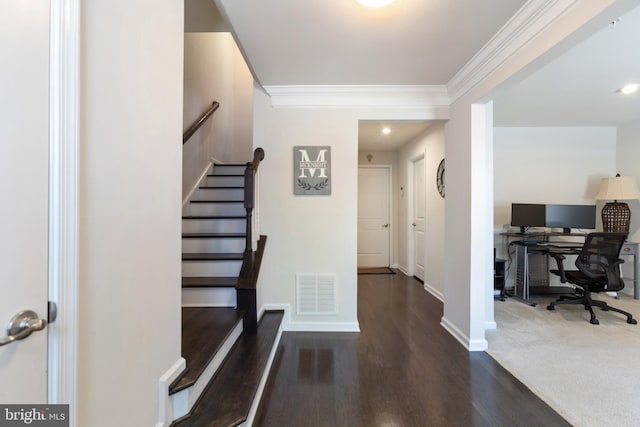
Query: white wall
pixel 129 210
pixel 628 154
pixel 312 234
pixel 628 164
pixel 548 165
pixel 430 144
pixel 468 228
pixel 307 234
pixel 214 70
pixel 389 158
pixel 319 234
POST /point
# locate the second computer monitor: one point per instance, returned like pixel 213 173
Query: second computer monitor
pixel 570 216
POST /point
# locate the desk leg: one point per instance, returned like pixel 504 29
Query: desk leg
pixel 636 282
pixel 525 277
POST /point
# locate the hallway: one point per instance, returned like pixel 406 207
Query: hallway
pixel 402 369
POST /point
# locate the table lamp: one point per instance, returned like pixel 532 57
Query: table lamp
pixel 616 216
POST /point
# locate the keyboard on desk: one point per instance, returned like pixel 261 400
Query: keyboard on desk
pixel 562 244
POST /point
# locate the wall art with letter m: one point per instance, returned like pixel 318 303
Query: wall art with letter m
pixel 312 170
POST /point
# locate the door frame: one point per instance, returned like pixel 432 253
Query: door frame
pixel 411 256
pixel 64 119
pixel 390 192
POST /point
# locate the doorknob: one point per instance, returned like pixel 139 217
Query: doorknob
pixel 22 325
pixel 413 224
pixel 385 225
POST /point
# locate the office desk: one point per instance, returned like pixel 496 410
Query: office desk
pixel 530 275
pixel 541 246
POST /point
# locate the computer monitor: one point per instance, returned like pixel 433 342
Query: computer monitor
pixel 526 215
pixel 570 216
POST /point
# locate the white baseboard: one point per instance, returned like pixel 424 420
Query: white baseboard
pixel 470 345
pixel 433 291
pixel 404 270
pixel 165 409
pixel 490 325
pixel 289 325
pixel 197 184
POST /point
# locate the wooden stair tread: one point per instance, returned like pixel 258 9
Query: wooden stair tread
pixel 209 282
pixel 207 256
pixel 227 399
pixel 213 235
pixel 204 330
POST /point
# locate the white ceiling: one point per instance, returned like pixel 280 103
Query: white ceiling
pixel 426 42
pixel 371 138
pixel 580 87
pixel 339 42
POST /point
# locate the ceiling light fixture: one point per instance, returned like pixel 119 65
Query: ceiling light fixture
pixel 386 131
pixel 630 88
pixel 374 3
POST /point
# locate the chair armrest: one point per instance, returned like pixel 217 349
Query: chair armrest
pixel 617 262
pixel 560 262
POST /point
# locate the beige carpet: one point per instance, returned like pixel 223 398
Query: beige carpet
pixel 589 373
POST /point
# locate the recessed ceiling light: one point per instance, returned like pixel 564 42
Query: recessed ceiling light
pixel 386 131
pixel 374 3
pixel 630 88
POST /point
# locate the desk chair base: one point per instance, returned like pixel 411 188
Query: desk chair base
pixel 588 303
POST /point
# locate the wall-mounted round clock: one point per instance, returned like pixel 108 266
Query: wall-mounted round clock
pixel 440 178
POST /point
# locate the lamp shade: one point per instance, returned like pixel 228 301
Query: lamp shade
pixel 618 188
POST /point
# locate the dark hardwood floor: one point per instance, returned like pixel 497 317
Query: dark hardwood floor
pixel 402 369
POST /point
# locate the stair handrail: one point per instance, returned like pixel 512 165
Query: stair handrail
pixel 250 195
pixel 198 123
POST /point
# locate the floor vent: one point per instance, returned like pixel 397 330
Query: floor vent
pixel 316 293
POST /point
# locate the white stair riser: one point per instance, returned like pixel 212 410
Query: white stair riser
pixel 229 170
pixel 224 181
pixel 190 246
pixel 208 297
pixel 183 401
pixel 206 209
pixel 219 194
pixel 214 225
pixel 229 268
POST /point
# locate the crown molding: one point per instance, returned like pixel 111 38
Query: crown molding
pixel 527 23
pixel 359 96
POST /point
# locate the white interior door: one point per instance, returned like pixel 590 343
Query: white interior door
pixel 24 133
pixel 419 214
pixel 373 216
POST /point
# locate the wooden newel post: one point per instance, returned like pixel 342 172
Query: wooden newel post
pixel 249 188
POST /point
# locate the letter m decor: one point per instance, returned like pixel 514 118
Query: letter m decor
pixel 312 170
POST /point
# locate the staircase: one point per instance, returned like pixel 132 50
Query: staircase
pixel 228 352
pixel 214 238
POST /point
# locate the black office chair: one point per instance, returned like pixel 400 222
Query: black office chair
pixel 598 271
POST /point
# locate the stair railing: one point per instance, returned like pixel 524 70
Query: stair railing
pixel 246 288
pixel 250 196
pixel 198 123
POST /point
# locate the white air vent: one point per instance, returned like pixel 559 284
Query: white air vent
pixel 316 293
